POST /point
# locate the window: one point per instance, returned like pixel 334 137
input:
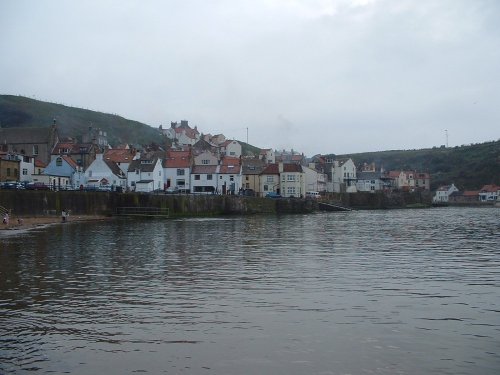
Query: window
pixel 59 162
pixel 205 161
pixel 35 149
pixel 90 173
pixel 181 183
pixel 25 171
pixel 209 177
pixel 180 172
pixel 291 190
pixel 159 173
pixel 246 178
pixel 290 177
pixel 270 179
pixel 231 178
pixel 266 188
pixel 232 153
pixel 197 177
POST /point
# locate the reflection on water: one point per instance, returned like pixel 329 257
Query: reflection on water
pixel 376 292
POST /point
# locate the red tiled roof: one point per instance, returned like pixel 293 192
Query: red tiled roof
pixel 178 159
pixel 204 169
pixel 470 193
pixel 40 164
pixel 70 161
pixel 119 155
pixel 290 168
pixel 490 189
pixel 229 160
pixel 271 169
pixel 230 169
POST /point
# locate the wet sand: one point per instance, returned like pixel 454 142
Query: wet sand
pixel 26 223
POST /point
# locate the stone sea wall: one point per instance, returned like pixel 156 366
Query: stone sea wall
pixel 40 203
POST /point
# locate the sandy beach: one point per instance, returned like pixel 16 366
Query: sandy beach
pixel 26 223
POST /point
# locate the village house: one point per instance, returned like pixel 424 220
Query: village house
pixel 270 180
pixel 371 181
pixel 9 167
pixel 182 133
pixel 229 175
pixel 177 169
pixel 105 174
pixel 409 180
pixel 34 142
pixel 443 193
pixel 230 148
pixel 293 182
pixel 145 174
pixel 122 156
pixel 315 180
pixel 60 173
pixel 489 193
pixel 343 176
pixel 204 177
pixel 251 170
pixel 216 140
pixel 83 154
pixel 268 155
pixel 288 180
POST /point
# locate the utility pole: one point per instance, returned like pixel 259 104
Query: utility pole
pixel 247 134
pixel 446 133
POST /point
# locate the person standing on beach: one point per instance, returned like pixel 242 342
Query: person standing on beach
pixel 6 218
pixel 63 215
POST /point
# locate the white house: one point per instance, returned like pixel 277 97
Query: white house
pixel 105 173
pixel 268 155
pixel 489 193
pixel 443 193
pixel 343 176
pixel 204 179
pixel 177 169
pixel 292 178
pixel 314 179
pixel 26 167
pixel 231 148
pixel 145 174
pixel 182 133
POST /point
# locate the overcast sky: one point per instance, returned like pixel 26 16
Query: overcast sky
pixel 316 76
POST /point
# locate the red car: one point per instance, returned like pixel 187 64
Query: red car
pixel 37 186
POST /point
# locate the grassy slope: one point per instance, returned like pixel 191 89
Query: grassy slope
pixel 18 111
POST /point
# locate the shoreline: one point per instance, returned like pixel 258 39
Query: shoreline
pixel 23 224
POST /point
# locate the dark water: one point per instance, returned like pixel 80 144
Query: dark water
pixel 376 292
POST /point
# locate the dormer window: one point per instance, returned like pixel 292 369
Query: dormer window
pixel 59 162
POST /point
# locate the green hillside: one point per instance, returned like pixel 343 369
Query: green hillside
pixel 468 167
pixel 19 111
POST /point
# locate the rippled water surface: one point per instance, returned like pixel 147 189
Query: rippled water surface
pixel 373 292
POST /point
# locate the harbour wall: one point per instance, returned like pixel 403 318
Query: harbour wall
pixel 40 203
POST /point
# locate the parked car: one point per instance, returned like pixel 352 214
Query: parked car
pixel 172 190
pixel 247 192
pixel 37 186
pixel 12 185
pixel 273 195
